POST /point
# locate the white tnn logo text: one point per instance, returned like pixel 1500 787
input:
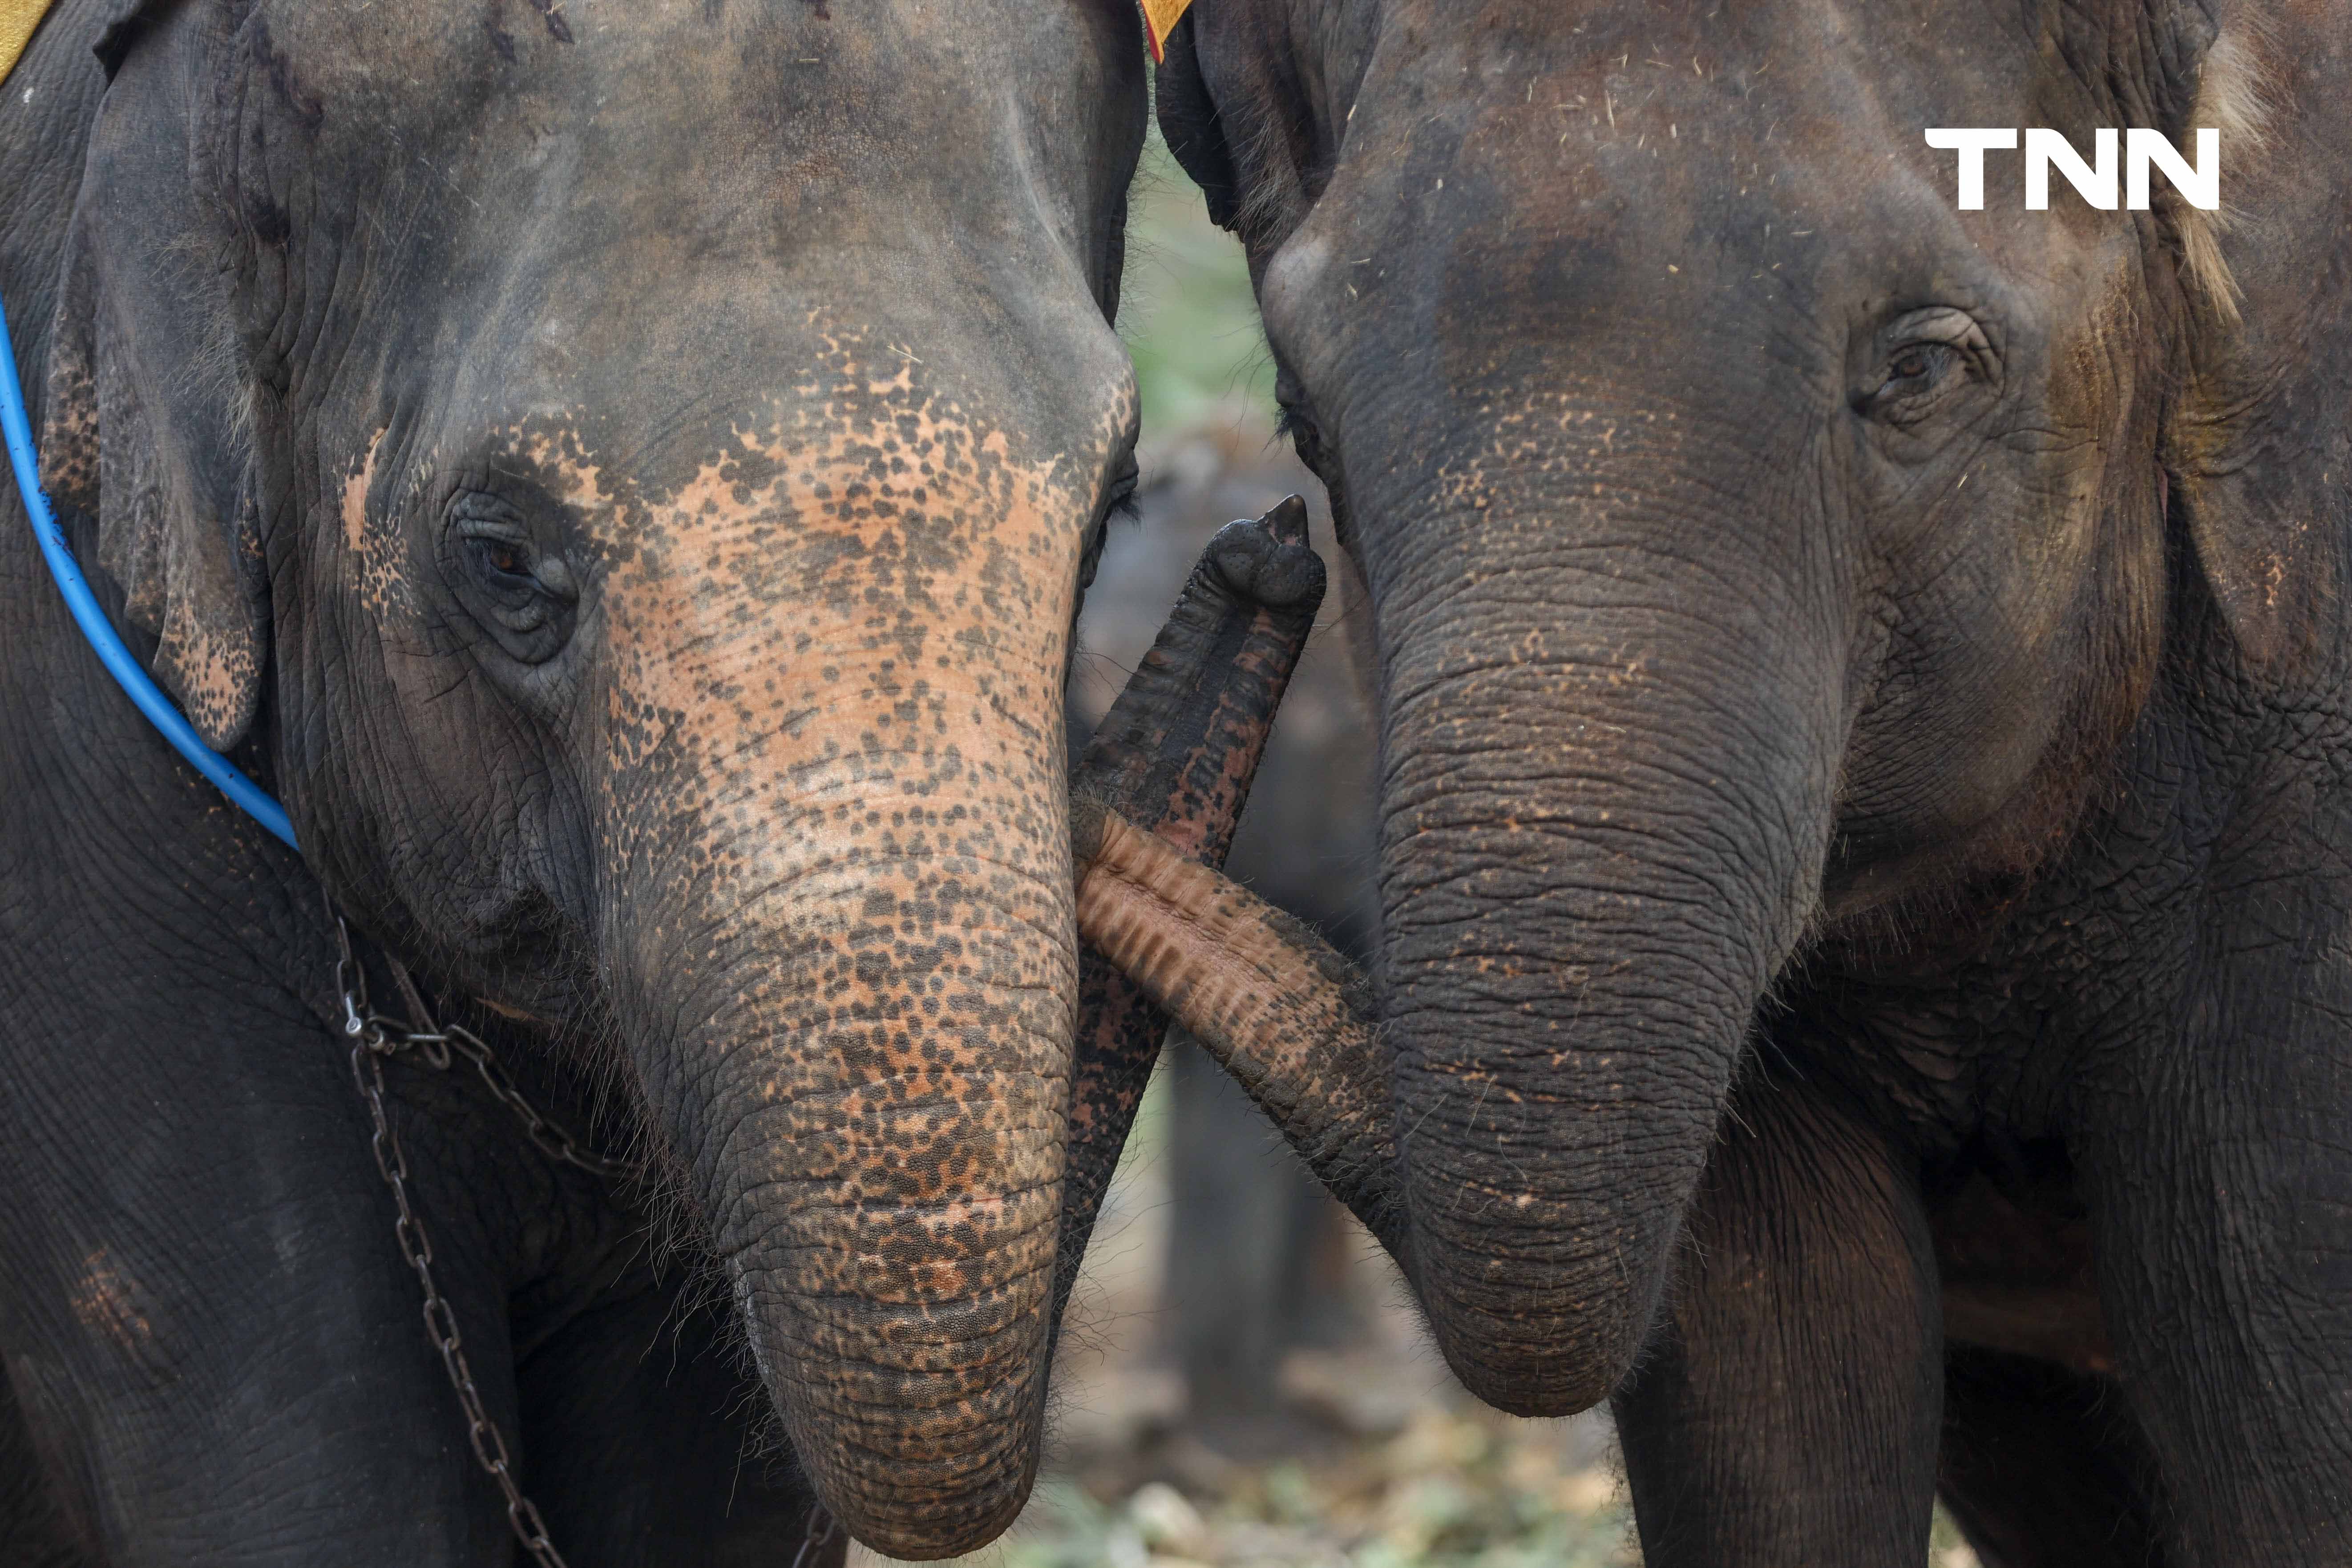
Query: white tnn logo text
pixel 2199 186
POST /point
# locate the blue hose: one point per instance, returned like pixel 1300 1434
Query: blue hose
pixel 100 631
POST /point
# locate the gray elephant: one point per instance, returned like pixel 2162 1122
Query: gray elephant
pixel 622 471
pixel 1864 984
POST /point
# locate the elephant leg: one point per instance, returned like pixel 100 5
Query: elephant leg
pixel 1785 1414
pixel 2220 1204
pixel 649 1440
pixel 2043 1466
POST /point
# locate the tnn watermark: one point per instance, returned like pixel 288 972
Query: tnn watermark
pixel 2199 184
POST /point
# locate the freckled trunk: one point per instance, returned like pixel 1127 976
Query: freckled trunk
pixel 869 1100
pixel 842 944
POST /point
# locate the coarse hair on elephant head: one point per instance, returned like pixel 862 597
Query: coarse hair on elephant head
pixel 1765 556
pixel 624 471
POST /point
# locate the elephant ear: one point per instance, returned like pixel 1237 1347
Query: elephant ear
pixel 1189 125
pixel 2261 437
pixel 142 430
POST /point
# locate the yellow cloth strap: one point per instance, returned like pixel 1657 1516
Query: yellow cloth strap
pixel 19 17
pixel 1158 18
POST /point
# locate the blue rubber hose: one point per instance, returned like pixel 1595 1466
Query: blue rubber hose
pixel 99 631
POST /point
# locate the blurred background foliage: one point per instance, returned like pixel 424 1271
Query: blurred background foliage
pixel 1186 311
pixel 1241 1382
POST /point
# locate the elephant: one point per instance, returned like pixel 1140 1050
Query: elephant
pixel 1863 976
pixel 623 475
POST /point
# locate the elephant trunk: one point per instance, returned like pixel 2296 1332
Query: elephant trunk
pixel 1603 834
pixel 1596 859
pixel 869 1110
pixel 839 938
pixel 1522 1150
pixel 1273 1003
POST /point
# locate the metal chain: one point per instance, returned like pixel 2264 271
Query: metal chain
pixel 819 1535
pixel 553 1139
pixel 376 1037
pixel 489 1445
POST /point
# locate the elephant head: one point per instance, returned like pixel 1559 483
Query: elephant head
pixel 624 471
pixel 1765 556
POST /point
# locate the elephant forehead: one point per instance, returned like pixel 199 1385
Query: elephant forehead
pixel 736 90
pixel 357 48
pixel 868 511
pixel 890 592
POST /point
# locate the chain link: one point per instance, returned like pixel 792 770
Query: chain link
pixel 822 1527
pixel 376 1037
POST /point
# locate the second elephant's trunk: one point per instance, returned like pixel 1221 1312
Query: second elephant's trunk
pixel 1608 785
pixel 1579 930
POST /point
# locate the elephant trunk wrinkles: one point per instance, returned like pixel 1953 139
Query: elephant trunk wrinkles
pixel 1578 933
pixel 841 943
pixel 1600 845
pixel 870 1116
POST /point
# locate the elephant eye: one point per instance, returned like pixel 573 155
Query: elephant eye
pixel 503 561
pixel 1914 377
pixel 1296 424
pixel 1120 503
pixel 503 558
pixel 1305 435
pixel 1912 365
pixel 521 594
pixel 1935 352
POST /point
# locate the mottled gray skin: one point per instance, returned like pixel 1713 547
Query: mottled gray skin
pixel 621 471
pixel 1864 742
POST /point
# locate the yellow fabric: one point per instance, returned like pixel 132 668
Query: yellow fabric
pixel 17 20
pixel 1158 17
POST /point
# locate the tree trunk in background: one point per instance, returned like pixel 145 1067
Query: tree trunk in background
pixel 1257 1252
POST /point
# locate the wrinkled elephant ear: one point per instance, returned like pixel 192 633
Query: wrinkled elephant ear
pixel 1190 124
pixel 141 428
pixel 2271 340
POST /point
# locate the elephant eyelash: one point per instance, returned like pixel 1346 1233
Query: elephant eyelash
pixel 1904 397
pixel 503 557
pixel 1122 505
pixel 514 586
pixel 1299 428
